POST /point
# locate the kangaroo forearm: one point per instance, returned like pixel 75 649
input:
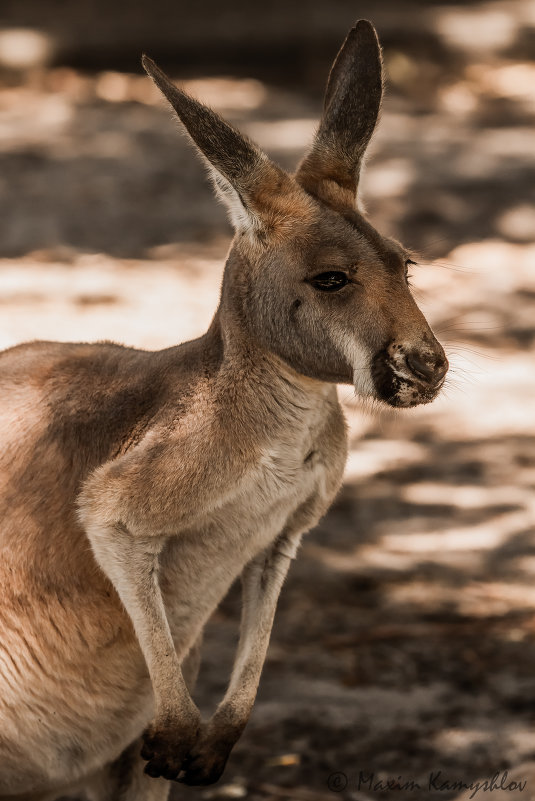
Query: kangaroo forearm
pixel 132 566
pixel 262 581
pixel 236 706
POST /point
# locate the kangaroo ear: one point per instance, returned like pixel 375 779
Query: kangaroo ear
pixel 331 169
pixel 244 178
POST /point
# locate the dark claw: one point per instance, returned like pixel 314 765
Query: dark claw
pixel 198 779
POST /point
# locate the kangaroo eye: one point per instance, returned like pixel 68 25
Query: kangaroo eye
pixel 330 282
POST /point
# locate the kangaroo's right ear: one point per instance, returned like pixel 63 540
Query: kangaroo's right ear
pixel 331 169
pixel 249 184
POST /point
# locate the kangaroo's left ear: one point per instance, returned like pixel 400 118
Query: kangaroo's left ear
pixel 252 187
pixel 331 169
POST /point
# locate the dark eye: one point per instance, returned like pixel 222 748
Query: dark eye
pixel 330 282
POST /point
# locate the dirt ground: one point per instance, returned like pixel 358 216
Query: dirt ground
pixel 404 644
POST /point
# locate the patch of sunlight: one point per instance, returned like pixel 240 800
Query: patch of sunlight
pixel 395 127
pixel 483 536
pixel 522 740
pixel 492 150
pixel 358 562
pixel 498 401
pixel 54 113
pixel 222 94
pixel 24 48
pixel 458 99
pixel 508 264
pixel 361 419
pixel 450 741
pixel 113 87
pixel 227 93
pixel 518 223
pixel 505 143
pixel 528 12
pixel 389 178
pixel 484 28
pixel 50 115
pixel 464 497
pixel 432 595
pixel 281 134
pixel 515 595
pixel 508 80
pixel 144 304
pixel 371 456
pixel 495 598
pixel 476 599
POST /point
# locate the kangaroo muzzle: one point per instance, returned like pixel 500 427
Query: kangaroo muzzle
pixel 405 376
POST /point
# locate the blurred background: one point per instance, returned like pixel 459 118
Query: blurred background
pixel 405 638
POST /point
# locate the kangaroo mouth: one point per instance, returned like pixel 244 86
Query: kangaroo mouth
pixel 396 387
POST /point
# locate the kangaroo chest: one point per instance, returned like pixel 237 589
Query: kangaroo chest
pixel 290 469
pixel 298 468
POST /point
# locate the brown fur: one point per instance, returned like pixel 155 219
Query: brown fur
pixel 136 486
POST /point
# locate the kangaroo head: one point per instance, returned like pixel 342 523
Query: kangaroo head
pixel 308 278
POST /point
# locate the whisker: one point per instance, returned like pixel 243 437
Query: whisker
pixel 455 387
pixel 431 243
pixel 481 324
pixel 461 349
pixel 456 268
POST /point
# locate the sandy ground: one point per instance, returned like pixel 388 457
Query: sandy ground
pixel 404 643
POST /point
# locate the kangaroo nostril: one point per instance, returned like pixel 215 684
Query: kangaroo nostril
pixel 420 368
pixel 427 369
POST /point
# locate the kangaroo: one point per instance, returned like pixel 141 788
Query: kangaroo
pixel 136 486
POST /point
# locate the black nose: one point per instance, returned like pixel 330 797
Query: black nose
pixel 428 368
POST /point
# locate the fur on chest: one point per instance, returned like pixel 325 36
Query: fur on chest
pixel 280 482
pixel 298 470
pixel 288 471
pixel 300 459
